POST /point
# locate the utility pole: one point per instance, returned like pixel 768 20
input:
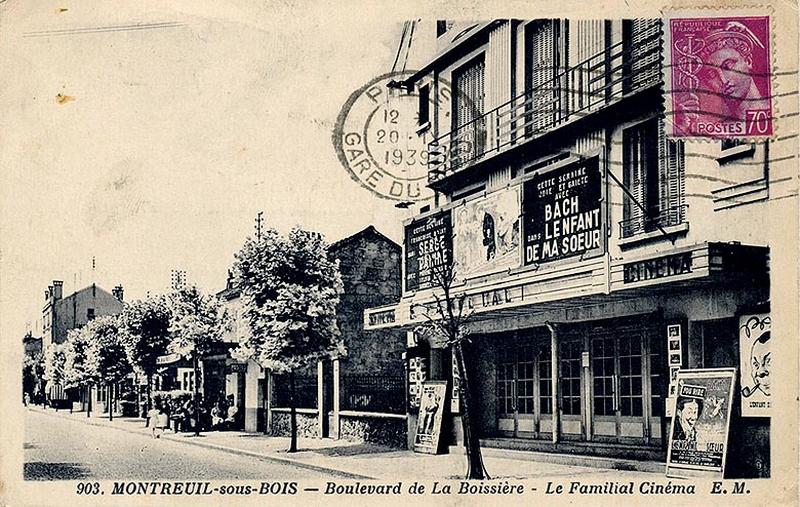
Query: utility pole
pixel 259 224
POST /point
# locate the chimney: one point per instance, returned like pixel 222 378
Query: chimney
pixel 58 289
pixel 118 292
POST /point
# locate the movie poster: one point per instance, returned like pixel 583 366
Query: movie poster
pixel 562 214
pixel 429 421
pixel 755 358
pixel 428 247
pixel 698 436
pixel 486 234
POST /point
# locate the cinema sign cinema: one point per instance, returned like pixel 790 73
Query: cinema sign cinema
pixel 570 331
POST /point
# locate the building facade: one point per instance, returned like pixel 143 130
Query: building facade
pixel 582 239
pixel 61 314
pixel 357 397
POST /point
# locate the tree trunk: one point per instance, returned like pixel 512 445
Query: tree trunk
pixel 292 415
pixel 89 402
pixel 472 444
pixel 196 396
pixel 110 401
pixel 265 401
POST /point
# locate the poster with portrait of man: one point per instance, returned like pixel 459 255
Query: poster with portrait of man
pixel 755 358
pixel 698 437
pixel 486 234
pixel 429 421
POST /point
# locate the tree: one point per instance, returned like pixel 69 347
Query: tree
pixel 53 364
pixel 78 370
pixel 198 322
pixel 108 356
pixel 32 375
pixel 290 290
pixel 448 321
pixel 147 336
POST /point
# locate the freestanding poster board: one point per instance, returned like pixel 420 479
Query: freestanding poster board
pixel 698 437
pixel 755 360
pixel 429 422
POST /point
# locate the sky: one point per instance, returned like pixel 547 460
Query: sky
pixel 154 149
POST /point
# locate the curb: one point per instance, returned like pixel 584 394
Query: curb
pixel 217 447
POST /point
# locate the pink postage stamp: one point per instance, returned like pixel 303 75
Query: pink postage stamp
pixel 720 77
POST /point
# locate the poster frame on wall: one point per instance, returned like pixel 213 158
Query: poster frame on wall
pixel 755 399
pixel 529 211
pixel 427 432
pixel 413 239
pixel 678 469
pixel 460 238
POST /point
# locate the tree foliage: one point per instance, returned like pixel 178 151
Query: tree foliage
pixel 107 356
pixel 198 321
pixel 146 324
pixel 290 289
pixel 78 369
pixel 54 363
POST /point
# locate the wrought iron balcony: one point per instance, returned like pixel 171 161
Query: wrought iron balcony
pixel 595 83
pixel 641 223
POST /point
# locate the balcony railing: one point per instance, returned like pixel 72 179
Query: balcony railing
pixel 596 82
pixel 642 223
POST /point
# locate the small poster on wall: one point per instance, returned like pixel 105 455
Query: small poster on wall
pixel 417 374
pixel 455 397
pixel 675 354
pixel 429 421
pixel 755 358
pixel 698 438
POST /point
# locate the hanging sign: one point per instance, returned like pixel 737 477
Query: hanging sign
pixel 561 213
pixel 455 397
pixel 698 438
pixel 755 358
pixel 429 421
pixel 675 354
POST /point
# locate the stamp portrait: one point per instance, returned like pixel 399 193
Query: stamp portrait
pixel 720 73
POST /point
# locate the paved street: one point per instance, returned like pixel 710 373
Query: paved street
pixel 57 448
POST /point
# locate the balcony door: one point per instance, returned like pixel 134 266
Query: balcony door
pixel 468 140
pixel 545 61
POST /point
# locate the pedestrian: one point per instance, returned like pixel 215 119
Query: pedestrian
pixel 156 420
pixel 233 411
pixel 27 399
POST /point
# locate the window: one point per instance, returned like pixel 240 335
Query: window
pixel 545 381
pixel 603 374
pixel 545 57
pixel 442 26
pixel 505 381
pixel 734 148
pixel 468 139
pixel 525 364
pixel 571 377
pixel 89 313
pixel 653 173
pixel 424 104
pixel 642 58
pixel 186 379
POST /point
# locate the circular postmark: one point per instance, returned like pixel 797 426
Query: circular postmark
pixel 379 139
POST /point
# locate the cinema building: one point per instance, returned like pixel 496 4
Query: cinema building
pixel 583 238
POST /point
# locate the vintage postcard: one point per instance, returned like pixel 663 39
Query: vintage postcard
pixel 359 253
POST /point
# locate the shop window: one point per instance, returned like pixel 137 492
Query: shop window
pixel 603 374
pixel 653 173
pixel 545 381
pixel 657 381
pixel 630 377
pixel 525 379
pixel 571 377
pixel 505 381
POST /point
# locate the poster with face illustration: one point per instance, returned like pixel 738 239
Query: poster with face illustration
pixel 755 358
pixel 486 234
pixel 698 437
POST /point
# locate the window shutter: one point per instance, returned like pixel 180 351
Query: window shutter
pixel 672 178
pixel 469 124
pixel 644 53
pixel 542 70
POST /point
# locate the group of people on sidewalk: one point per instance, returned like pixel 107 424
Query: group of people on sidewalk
pixel 183 418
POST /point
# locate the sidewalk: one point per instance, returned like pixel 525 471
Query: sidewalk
pixel 368 461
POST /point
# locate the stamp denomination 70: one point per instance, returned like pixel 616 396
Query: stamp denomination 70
pixel 719 71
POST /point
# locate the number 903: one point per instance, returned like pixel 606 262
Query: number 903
pixel 88 488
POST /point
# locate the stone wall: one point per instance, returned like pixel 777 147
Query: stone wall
pixel 390 431
pixel 307 425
